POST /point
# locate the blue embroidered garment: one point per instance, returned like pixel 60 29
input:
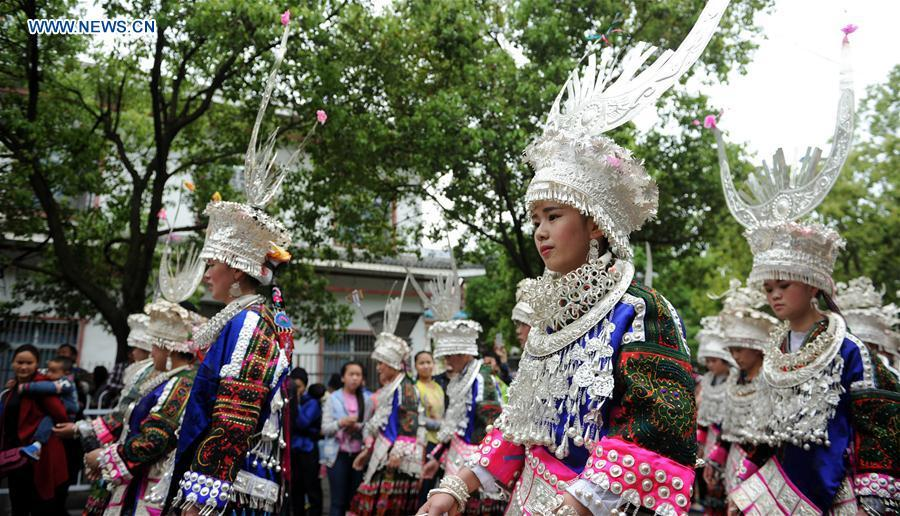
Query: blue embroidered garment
pixel 228 447
pixel 819 471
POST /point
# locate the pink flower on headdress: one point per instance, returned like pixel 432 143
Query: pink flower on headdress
pixel 286 17
pixel 613 161
pixel 709 122
pixel 848 30
pixel 161 214
pixel 695 122
pixel 321 116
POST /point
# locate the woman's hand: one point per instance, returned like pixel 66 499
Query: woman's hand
pixel 92 464
pixel 430 469
pixel 64 430
pixel 709 475
pixel 359 463
pixel 346 421
pixel 393 462
pixel 575 504
pixel 10 383
pixel 439 504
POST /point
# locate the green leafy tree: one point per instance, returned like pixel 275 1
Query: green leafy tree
pixel 117 124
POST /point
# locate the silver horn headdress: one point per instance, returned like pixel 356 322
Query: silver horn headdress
pixel 170 324
pixel 451 336
pixel 777 196
pixel 389 348
pixel 576 164
pixel 241 234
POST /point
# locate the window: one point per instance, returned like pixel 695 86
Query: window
pixel 45 334
pixel 350 346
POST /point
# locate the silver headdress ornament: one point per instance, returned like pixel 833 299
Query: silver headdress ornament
pixel 577 165
pixel 450 336
pixel 242 235
pixel 712 341
pixel 170 324
pixel 137 335
pixel 743 324
pixel 522 312
pixel 389 348
pixel 866 315
pixel 779 195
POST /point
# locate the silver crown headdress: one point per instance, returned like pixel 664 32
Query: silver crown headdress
pixel 780 195
pixel 451 336
pixel 866 315
pixel 577 165
pixel 170 324
pixel 712 341
pixel 522 312
pixel 389 348
pixel 137 334
pixel 241 234
pixel 743 324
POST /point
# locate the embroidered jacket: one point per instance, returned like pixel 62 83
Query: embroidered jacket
pixel 229 447
pixel 394 430
pixel 876 443
pixel 139 466
pixel 812 477
pixel 608 416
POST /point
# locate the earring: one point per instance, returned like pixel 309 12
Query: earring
pixel 235 289
pixel 594 251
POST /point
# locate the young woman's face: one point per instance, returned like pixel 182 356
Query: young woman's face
pixel 386 373
pixel 24 366
pixel 138 354
pixel 352 377
pixel 562 235
pixel 747 359
pixel 789 300
pixel 299 386
pixel 425 366
pixel 160 358
pixel 522 330
pixel 716 366
pixel 218 279
pixel 456 363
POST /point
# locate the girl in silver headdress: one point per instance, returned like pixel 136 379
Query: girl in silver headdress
pixel 711 400
pixel 739 449
pixel 601 415
pixel 394 436
pixel 231 447
pixel 814 368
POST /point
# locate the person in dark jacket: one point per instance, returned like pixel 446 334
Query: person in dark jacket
pixel 306 417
